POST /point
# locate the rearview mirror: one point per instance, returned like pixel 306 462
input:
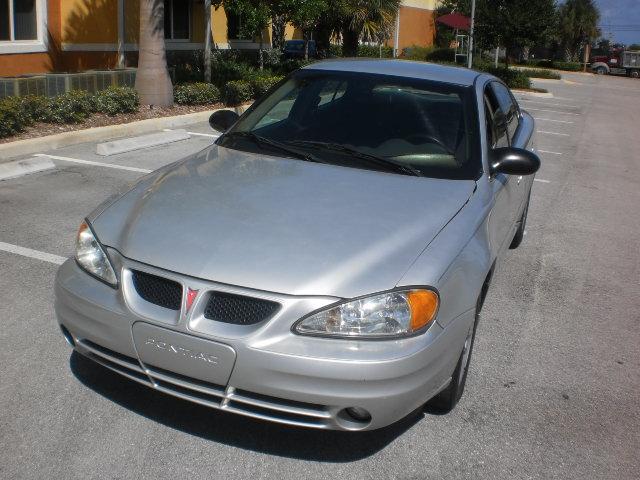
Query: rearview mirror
pixel 222 120
pixel 514 161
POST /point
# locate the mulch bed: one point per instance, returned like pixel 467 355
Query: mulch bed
pixel 101 120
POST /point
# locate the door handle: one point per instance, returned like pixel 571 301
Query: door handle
pixel 519 179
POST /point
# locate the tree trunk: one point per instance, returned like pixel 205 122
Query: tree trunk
pixel 349 43
pixel 305 36
pixel 208 40
pixel 323 39
pixel 260 55
pixel 152 79
pixel 278 24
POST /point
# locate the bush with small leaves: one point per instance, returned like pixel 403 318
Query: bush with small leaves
pixel 196 94
pixel 116 100
pixel 261 85
pixel 71 107
pixel 237 92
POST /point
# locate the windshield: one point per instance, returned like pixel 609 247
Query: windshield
pixel 362 120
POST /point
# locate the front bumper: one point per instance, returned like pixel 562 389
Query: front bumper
pixel 275 375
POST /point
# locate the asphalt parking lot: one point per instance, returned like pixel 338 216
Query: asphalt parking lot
pixel 554 385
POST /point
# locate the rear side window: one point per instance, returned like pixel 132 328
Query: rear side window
pixel 508 106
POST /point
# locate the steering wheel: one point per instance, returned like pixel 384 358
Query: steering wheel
pixel 417 138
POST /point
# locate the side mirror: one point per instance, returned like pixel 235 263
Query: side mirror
pixel 514 161
pixel 222 120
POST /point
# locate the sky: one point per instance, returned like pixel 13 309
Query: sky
pixel 620 12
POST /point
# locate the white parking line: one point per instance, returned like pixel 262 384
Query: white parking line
pixel 552 120
pixel 554 133
pixel 541 180
pixel 95 164
pixel 547 151
pixel 553 111
pixel 27 252
pixel 197 134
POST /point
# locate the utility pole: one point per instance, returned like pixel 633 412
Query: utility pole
pixel 473 21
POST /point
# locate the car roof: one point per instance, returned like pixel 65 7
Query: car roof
pixel 400 68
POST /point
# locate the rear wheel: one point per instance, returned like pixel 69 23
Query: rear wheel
pixel 601 70
pixel 634 73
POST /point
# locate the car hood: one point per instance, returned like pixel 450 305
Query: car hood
pixel 280 225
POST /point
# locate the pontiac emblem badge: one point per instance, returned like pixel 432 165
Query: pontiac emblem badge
pixel 191 296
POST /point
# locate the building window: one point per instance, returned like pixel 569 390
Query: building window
pixel 18 20
pixel 234 26
pixel 177 19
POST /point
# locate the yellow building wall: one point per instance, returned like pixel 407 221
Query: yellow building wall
pixel 292 33
pixel 219 25
pixel 131 21
pixel 89 21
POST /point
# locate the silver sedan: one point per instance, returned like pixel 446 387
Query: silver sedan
pixel 323 264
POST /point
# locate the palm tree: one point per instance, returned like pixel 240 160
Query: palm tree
pixel 152 79
pixel 366 19
pixel 578 25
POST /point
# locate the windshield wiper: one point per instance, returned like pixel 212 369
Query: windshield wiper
pixel 388 165
pixel 261 141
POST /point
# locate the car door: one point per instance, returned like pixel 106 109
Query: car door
pixel 506 191
pixel 509 107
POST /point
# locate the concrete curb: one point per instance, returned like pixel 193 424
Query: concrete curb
pixel 144 141
pixel 24 167
pixel 529 93
pixel 39 145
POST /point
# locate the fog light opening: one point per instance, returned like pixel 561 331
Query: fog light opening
pixel 359 414
pixel 67 336
pixel 354 418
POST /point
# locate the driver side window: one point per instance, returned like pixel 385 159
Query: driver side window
pixel 496 122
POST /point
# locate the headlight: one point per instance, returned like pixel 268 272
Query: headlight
pixel 390 314
pixel 91 256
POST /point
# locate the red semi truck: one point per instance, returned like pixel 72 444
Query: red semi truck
pixel 620 62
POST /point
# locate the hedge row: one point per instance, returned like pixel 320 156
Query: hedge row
pixel 17 113
pixel 555 64
pixel 237 92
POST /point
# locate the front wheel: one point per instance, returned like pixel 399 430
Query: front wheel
pixel 519 236
pixel 634 74
pixel 446 400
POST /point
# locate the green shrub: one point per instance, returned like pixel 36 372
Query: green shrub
pixel 261 85
pixel 416 52
pixel 373 51
pixel 34 108
pixel 289 65
pixel 227 67
pixel 237 92
pixel 541 73
pixel 555 64
pixel 335 50
pixel 12 118
pixel 116 100
pixel 196 94
pixel 514 78
pixel 71 107
pixel 441 55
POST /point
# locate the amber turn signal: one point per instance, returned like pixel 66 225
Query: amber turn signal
pixel 424 305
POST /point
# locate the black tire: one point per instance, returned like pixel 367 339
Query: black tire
pixel 519 236
pixel 601 71
pixel 446 400
pixel 634 74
